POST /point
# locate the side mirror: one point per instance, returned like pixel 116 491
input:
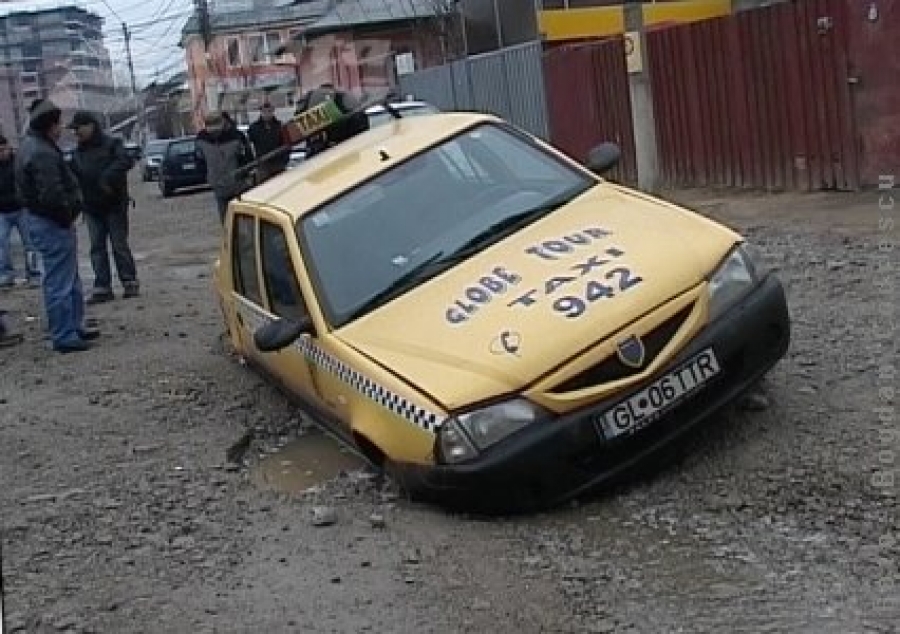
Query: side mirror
pixel 603 158
pixel 279 334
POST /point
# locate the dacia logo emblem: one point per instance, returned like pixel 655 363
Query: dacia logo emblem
pixel 631 352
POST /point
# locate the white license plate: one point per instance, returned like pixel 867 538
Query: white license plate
pixel 656 399
pixel 190 166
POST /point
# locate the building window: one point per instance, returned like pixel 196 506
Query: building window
pixel 264 48
pixel 273 44
pixel 234 52
pixel 257 49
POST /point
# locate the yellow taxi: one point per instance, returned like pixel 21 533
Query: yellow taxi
pixel 496 325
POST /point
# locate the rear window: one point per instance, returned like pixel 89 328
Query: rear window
pixel 182 148
pixel 156 147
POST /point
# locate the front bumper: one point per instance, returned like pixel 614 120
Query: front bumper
pixel 546 465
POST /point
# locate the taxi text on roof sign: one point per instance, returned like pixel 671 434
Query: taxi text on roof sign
pixel 313 120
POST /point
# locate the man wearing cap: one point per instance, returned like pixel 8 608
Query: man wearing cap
pixel 266 135
pixel 225 150
pixel 50 193
pixel 101 164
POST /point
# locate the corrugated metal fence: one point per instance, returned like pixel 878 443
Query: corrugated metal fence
pixel 507 83
pixel 590 103
pixel 758 99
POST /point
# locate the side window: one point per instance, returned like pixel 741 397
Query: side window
pixel 285 299
pixel 243 255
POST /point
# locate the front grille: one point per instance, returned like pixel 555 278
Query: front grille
pixel 612 369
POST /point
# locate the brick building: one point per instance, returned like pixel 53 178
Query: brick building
pixel 279 53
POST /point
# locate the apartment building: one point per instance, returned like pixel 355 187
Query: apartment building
pixel 56 53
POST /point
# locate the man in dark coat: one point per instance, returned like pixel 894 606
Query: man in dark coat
pixel 50 193
pixel 101 164
pixel 267 135
pixel 225 150
pixel 12 216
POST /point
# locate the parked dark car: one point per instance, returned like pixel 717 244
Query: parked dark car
pixel 154 152
pixel 182 166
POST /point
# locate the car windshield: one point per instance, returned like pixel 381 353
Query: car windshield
pixel 380 116
pixel 421 217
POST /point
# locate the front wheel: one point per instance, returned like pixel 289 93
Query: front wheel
pixel 166 190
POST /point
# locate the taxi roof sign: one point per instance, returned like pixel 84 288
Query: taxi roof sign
pixel 306 123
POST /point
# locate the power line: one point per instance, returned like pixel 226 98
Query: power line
pixel 111 10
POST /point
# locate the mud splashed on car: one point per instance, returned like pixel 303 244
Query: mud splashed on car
pixel 308 461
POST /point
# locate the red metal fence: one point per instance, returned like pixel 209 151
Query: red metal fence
pixel 758 99
pixel 588 101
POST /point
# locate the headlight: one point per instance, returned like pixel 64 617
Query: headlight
pixel 462 437
pixel 734 278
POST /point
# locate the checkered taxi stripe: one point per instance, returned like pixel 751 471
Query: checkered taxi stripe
pixel 368 388
pixel 429 421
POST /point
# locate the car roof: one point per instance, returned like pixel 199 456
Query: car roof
pixel 327 175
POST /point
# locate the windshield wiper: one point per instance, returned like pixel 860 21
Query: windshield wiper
pixel 440 261
pixel 510 224
pixel 422 271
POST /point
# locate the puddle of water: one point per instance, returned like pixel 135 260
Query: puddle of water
pixel 304 463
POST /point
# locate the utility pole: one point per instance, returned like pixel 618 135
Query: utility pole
pixel 127 35
pixel 201 8
pixel 138 107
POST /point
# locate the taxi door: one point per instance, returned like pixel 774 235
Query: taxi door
pixel 265 286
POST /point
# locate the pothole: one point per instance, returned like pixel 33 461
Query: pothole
pixel 304 463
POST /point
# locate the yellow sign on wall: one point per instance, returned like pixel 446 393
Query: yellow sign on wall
pixel 558 25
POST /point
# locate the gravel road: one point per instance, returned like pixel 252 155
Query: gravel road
pixel 122 511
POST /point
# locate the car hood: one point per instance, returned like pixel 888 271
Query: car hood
pixel 522 307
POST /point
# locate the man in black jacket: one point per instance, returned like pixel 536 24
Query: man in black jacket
pixel 101 164
pixel 49 191
pixel 12 216
pixel 266 135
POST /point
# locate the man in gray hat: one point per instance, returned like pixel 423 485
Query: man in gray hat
pixel 51 195
pixel 225 150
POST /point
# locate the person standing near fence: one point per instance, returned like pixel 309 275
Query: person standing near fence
pixel 12 216
pixel 51 196
pixel 101 165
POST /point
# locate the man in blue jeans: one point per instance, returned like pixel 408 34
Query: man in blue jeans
pixel 12 216
pixel 101 165
pixel 48 190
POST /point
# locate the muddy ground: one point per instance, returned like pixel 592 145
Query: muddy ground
pixel 121 512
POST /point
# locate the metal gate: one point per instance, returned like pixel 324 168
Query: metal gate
pixel 757 99
pixel 508 83
pixel 589 101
